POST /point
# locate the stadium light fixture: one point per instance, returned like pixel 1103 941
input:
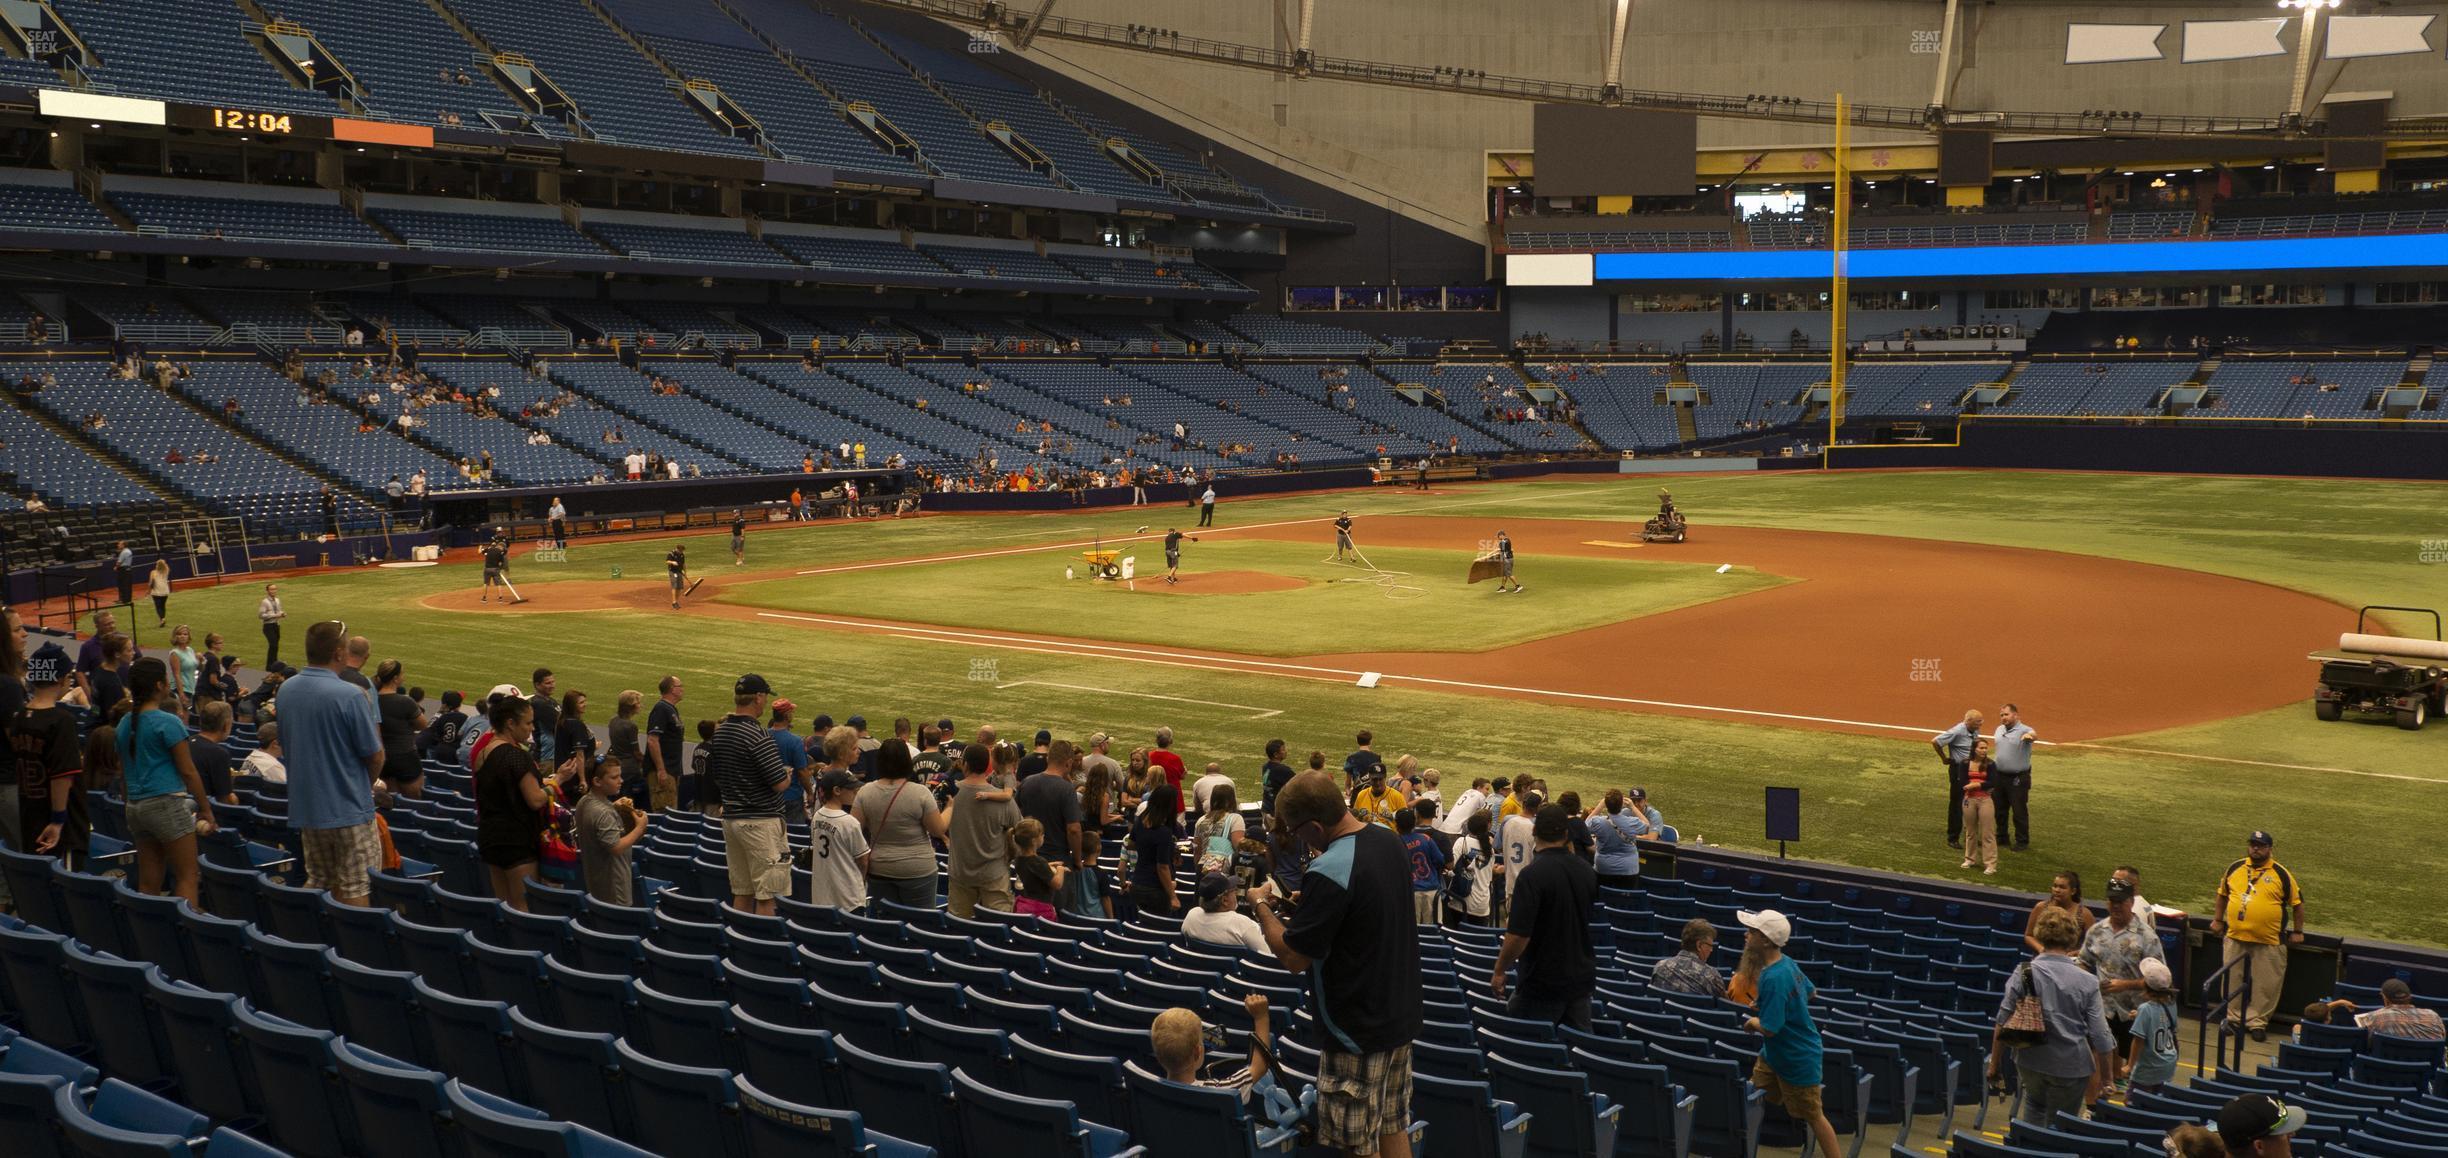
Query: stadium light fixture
pixel 2310 4
pixel 2269 166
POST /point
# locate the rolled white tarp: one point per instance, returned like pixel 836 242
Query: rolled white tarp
pixel 2392 645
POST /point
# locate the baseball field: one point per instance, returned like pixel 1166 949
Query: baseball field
pixel 1813 632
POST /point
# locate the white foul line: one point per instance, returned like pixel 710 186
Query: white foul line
pixel 1079 650
pixel 1262 713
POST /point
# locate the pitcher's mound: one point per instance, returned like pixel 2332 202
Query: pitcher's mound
pixel 557 598
pixel 1219 583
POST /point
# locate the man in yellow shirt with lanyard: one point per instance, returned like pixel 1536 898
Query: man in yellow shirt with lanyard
pixel 2260 913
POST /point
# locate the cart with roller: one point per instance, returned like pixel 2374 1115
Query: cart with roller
pixel 1103 564
pixel 2395 675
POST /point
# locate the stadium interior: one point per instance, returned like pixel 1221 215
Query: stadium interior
pixel 305 286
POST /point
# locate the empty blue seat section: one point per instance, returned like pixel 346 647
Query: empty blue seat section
pixel 2088 388
pixel 757 392
pixel 64 473
pixel 621 95
pixel 1914 388
pixel 475 229
pixel 2257 388
pixel 1281 335
pixel 38 199
pixel 318 221
pixel 2318 224
pixel 879 254
pixel 1659 240
pixel 197 53
pixel 855 69
pixel 1811 232
pixel 701 423
pixel 801 120
pixel 2150 225
pixel 408 61
pixel 718 242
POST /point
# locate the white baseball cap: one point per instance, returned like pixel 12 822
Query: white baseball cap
pixel 1770 923
pixel 500 690
pixel 2155 975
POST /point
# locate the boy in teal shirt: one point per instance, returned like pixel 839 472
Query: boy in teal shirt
pixel 2154 1029
pixel 1789 1062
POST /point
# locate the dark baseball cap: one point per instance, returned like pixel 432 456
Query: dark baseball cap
pixel 859 722
pixel 752 684
pixel 2120 890
pixel 1639 794
pixel 944 725
pixel 1215 885
pixel 821 724
pixel 1044 737
pixel 1501 783
pixel 2250 1118
pixel 2260 838
pixel 835 781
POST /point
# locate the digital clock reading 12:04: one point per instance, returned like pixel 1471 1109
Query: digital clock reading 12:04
pixel 252 122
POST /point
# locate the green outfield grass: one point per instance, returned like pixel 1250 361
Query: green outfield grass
pixel 1334 611
pixel 2153 800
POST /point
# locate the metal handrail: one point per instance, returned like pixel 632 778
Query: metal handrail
pixel 2212 1004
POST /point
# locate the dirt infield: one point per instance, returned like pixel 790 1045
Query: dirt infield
pixel 1879 631
pixel 1889 630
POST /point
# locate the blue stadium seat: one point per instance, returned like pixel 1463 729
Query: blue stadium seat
pixel 775 998
pixel 1467 1120
pixel 371 1006
pixel 397 1107
pixel 45 1006
pixel 1577 1119
pixel 111 992
pixel 125 1122
pixel 290 1071
pixel 29 1112
pixel 514 976
pixel 289 979
pixel 985 1053
pixel 696 975
pixel 470 1040
pixel 777 1128
pixel 196 1034
pixel 681 1109
pixel 913 1098
pixel 437 954
pixel 1657 1114
pixel 685 1030
pixel 793 1062
pixel 591 1002
pixel 1727 1117
pixel 494 1129
pixel 1198 1122
pixel 572 1075
pixel 992 1119
pixel 361 934
pixel 93 914
pixel 153 929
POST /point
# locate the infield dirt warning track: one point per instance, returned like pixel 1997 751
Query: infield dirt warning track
pixel 1880 634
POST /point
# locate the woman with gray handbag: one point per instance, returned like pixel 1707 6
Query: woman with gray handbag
pixel 2052 1018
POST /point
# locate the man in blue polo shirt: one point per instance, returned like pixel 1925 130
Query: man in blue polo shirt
pixel 2011 750
pixel 332 738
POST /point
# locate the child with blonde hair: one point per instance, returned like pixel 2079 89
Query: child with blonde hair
pixel 1040 881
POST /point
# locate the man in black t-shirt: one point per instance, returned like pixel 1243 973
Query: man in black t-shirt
pixel 675 569
pixel 211 759
pixel 1343 540
pixel 1548 929
pixel 1048 798
pixel 1272 778
pixel 1361 766
pixel 1172 544
pixel 1354 934
pixel 739 538
pixel 665 784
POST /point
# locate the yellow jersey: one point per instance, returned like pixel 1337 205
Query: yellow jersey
pixel 2258 900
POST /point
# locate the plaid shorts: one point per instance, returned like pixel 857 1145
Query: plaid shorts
pixel 338 859
pixel 1363 1097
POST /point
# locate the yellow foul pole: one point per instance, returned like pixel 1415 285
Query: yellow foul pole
pixel 1839 301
